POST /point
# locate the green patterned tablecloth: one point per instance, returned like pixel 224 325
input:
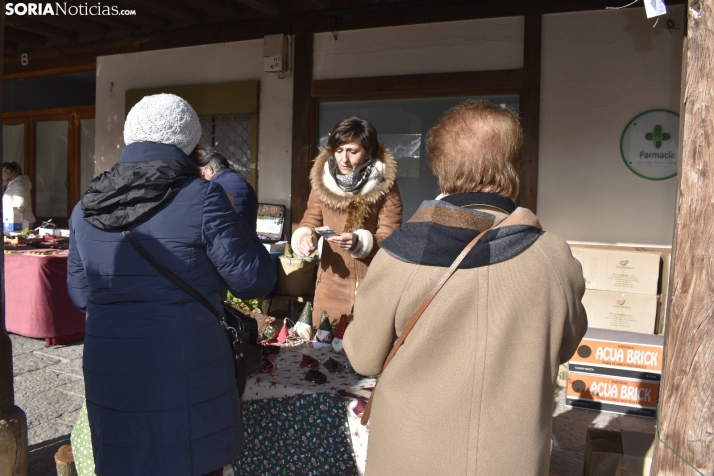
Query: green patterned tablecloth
pixel 298 435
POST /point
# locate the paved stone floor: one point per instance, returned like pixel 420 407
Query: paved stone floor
pixel 50 388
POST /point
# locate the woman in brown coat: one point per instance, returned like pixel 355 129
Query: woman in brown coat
pixel 354 193
pixel 470 391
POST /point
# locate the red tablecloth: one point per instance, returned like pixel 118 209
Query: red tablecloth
pixel 36 300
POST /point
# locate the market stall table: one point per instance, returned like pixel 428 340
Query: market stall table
pixel 37 303
pixel 292 426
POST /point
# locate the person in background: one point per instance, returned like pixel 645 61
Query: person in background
pixel 16 192
pixel 471 389
pixel 217 169
pixel 355 193
pixel 158 368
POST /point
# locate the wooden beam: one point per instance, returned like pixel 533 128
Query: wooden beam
pixel 530 111
pixel 686 413
pixel 143 17
pixel 416 85
pixel 172 10
pixel 222 7
pixel 12 45
pixel 74 23
pixel 303 132
pixel 269 7
pixel 51 72
pixel 317 4
pixel 24 37
pixel 28 25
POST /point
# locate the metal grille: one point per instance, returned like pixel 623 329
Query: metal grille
pixel 230 135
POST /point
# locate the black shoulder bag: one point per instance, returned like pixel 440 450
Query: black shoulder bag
pixel 241 331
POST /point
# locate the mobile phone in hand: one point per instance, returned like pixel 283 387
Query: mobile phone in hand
pixel 325 231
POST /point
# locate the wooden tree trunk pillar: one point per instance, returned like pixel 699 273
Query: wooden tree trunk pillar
pixel 65 461
pixel 686 403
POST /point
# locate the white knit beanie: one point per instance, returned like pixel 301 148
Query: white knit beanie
pixel 164 119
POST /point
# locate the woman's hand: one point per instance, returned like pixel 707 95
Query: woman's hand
pixel 307 244
pixel 345 241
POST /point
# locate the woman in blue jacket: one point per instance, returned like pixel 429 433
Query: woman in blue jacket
pixel 158 369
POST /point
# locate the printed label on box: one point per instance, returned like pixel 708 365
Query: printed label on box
pixel 619 354
pixel 612 390
pixel 619 271
pixel 621 311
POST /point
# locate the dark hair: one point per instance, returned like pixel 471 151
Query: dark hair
pixel 354 129
pixel 199 155
pixel 476 147
pixel 12 167
pixel 217 161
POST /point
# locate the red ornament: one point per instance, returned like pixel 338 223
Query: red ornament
pixel 341 327
pixel 283 336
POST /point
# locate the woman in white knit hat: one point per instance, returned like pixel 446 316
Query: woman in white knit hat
pixel 158 370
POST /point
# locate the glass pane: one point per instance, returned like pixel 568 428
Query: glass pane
pixel 86 153
pixel 402 125
pixel 51 181
pixel 230 135
pixel 13 143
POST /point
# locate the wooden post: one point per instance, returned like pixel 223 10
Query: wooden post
pixel 13 422
pixel 530 110
pixel 302 128
pixel 686 402
pixel 64 459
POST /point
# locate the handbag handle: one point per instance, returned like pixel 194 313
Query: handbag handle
pixel 174 278
pixel 515 218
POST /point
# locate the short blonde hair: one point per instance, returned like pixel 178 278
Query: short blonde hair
pixel 476 147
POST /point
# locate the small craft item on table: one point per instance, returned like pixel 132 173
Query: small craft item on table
pixel 303 327
pixel 324 330
pixel 336 345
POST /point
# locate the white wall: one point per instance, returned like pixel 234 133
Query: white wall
pixel 473 45
pixel 600 69
pixel 238 61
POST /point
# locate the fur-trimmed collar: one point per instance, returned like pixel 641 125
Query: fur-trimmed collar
pixel 356 206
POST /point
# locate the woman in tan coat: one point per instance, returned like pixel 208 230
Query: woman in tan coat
pixel 470 391
pixel 355 194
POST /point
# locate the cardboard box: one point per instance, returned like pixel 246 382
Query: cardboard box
pixel 621 311
pixel 612 394
pixel 278 247
pixel 616 372
pixel 603 450
pixel 609 453
pixel 562 379
pixel 637 450
pixel 619 271
pixel 619 354
pixel 296 277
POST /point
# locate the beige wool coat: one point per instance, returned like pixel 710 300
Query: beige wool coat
pixel 373 214
pixel 470 392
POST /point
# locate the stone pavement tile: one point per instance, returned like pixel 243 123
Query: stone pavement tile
pixel 47 431
pixel 69 418
pixel 75 388
pixel 70 351
pixel 31 384
pixel 22 345
pixel 567 463
pixel 72 367
pixel 49 407
pixel 31 361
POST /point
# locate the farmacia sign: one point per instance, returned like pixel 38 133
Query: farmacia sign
pixel 650 144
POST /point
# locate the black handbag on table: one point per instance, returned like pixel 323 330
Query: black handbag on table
pixel 241 331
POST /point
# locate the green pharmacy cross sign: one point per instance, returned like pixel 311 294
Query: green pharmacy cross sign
pixel 650 144
pixel 657 136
